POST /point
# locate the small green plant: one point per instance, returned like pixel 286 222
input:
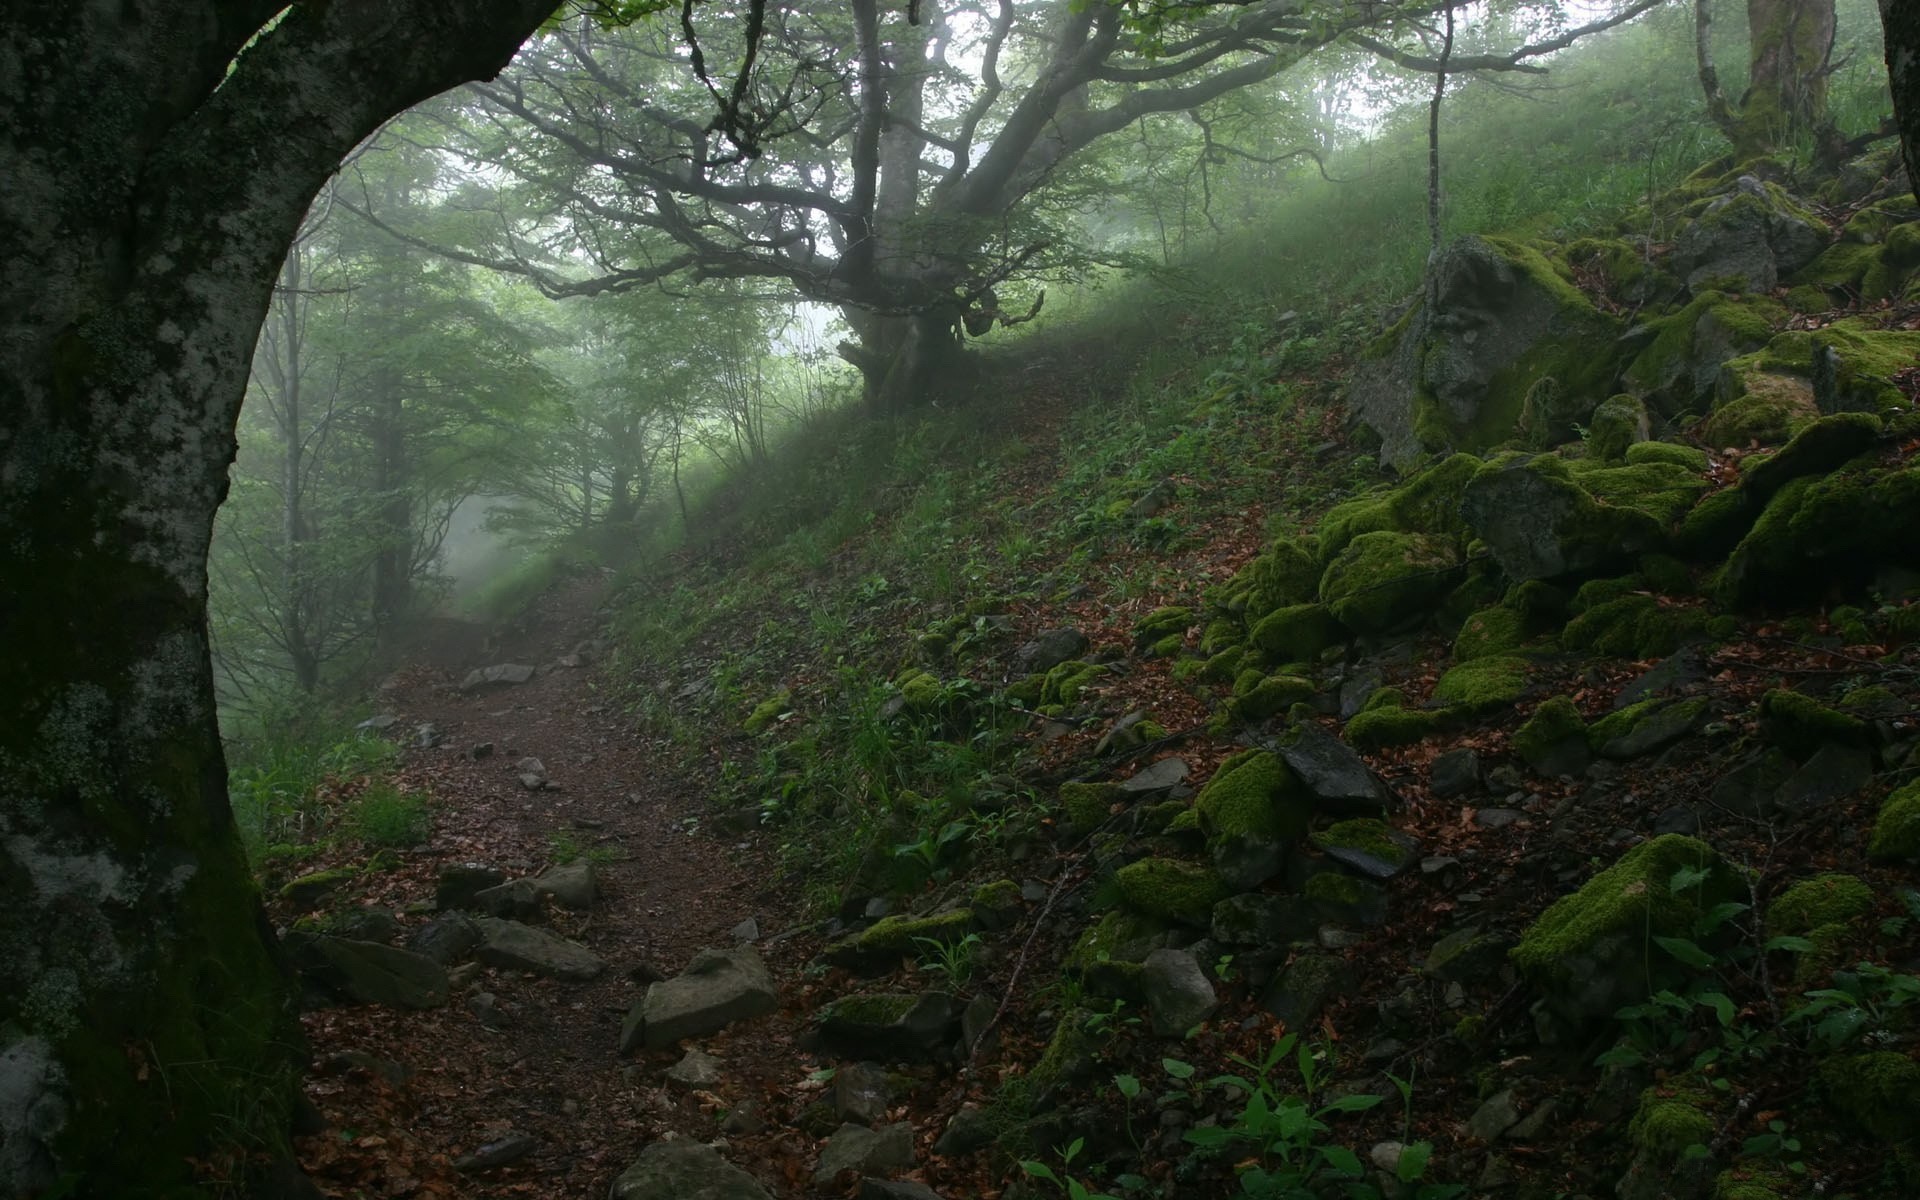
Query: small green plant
pixel 1862 1006
pixel 1109 1021
pixel 953 959
pixel 563 847
pixel 1069 1187
pixel 383 815
pixel 1776 1144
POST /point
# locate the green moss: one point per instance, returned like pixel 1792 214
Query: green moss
pixel 875 1010
pixel 896 935
pixel 1553 723
pixel 1253 794
pixel 1000 895
pixel 1273 694
pixel 1491 631
pixel 1669 1119
pixel 1896 830
pixel 1642 453
pixel 1027 691
pixel 1633 627
pixel 1666 574
pixel 1872 701
pixel 1070 1054
pixel 1086 804
pixel 1875 1091
pixel 1170 622
pixel 1634 897
pixel 1756 1181
pixel 1540 604
pixel 1368 835
pixel 1817 449
pixel 768 711
pixel 1386 697
pixel 1065 682
pixel 310 889
pixel 1287 573
pixel 1483 685
pixel 1383 580
pixel 1697 336
pixel 1827 899
pixel 1619 423
pixel 1816 534
pixel 920 690
pixel 1298 633
pixel 1223 635
pixel 1334 889
pixel 1223 666
pixel 1428 502
pixel 1170 889
pixel 1665 492
pixel 1596 592
pixel 1378 729
pixel 1186 820
pixel 1801 725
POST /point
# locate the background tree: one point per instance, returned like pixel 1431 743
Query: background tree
pixel 1900 26
pixel 159 159
pixel 1789 43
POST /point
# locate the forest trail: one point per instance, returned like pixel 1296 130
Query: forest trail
pixel 528 1066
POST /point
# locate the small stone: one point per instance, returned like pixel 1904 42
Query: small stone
pixel 971 1128
pixel 516 900
pixel 1158 777
pixel 458 884
pixel 1494 1117
pixel 1535 1123
pixel 742 1119
pixel 497 1153
pixel 518 947
pixel 379 723
pixel 1051 649
pixel 861 1095
pixel 1455 773
pixel 1497 818
pixel 572 885
pixel 1386 1156
pixel 746 931
pixel 480 750
pixel 501 675
pixel 696 1069
pixel 486 1006
pixel 1178 993
pixel 868 1151
pixel 461 976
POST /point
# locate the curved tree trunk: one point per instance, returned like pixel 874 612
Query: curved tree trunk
pixel 155 175
pixel 1900 26
pixel 908 362
pixel 1789 43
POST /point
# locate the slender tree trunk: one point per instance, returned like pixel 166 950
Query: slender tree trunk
pixel 154 174
pixel 295 601
pixel 1900 27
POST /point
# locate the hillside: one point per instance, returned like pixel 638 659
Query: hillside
pixel 1153 788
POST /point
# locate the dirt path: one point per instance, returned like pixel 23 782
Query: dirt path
pixel 441 1083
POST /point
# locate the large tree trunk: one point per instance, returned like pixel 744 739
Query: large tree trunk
pixel 910 361
pixel 1900 25
pixel 1788 45
pixel 155 174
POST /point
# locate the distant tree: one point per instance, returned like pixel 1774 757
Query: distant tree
pixel 1789 43
pixel 909 165
pixel 158 157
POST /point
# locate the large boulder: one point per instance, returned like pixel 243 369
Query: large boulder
pixel 1250 811
pixel 1538 523
pixel 1384 580
pixel 516 947
pixel 1748 239
pixel 718 988
pixel 895 1026
pixel 685 1170
pixel 1506 341
pixel 371 973
pixel 1678 364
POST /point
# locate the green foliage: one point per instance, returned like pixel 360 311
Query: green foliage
pixel 384 815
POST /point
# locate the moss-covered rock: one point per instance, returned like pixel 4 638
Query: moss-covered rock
pixel 1374 729
pixel 920 690
pixel 1385 580
pixel 1800 725
pixel 1171 889
pixel 1673 1117
pixel 1672 454
pixel 1896 830
pixel 1367 844
pixel 894 937
pixel 309 890
pixel 768 711
pixel 1553 739
pixel 1817 534
pixel 1635 626
pixel 1539 523
pixel 1250 811
pixel 1646 727
pixel 1483 685
pixel 1826 899
pixel 1297 633
pixel 1286 573
pixel 1875 1091
pixel 1499 630
pixel 1620 422
pixel 1107 957
pixel 1086 805
pixel 1679 365
pixel 1161 624
pixel 1821 447
pixel 1065 682
pixel 1590 952
pixel 1345 900
pixel 1665 492
pixel 1272 694
pixel 1715 526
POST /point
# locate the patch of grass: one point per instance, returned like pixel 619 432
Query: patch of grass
pixel 383 815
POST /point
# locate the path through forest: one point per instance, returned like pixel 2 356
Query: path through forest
pixel 528 1065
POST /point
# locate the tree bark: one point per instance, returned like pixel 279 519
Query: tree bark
pixel 1900 27
pixel 1788 45
pixel 157 167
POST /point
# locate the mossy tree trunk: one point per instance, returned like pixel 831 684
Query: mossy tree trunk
pixel 1900 26
pixel 1789 43
pixel 158 159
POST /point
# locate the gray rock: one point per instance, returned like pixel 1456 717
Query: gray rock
pixel 1358 902
pixel 747 931
pixel 1749 788
pixel 1157 777
pixel 971 1128
pixel 1339 779
pixel 1051 649
pixel 1371 864
pixel 1178 993
pixel 378 723
pixel 976 1024
pixel 1497 818
pixel 1303 990
pixel 486 1007
pixel 1466 954
pixel 1659 728
pixel 372 973
pixel 1749 233
pixel 1455 773
pixel 861 1094
pixel 1538 525
pixel 1258 919
pixel 516 947
pixel 447 938
pixel 1493 1118
pixel 516 900
pixel 743 1118
pixel 868 1151
pixel 510 1148
pixel 459 977
pixel 572 885
pixel 369 924
pixel 1530 1127
pixel 1834 773
pixel 532 772
pixel 427 736
pixel 685 1170
pixel 718 988
pixel 1356 690
pixel 893 1025
pixel 309 890
pixel 458 884
pixel 499 675
pixel 696 1069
